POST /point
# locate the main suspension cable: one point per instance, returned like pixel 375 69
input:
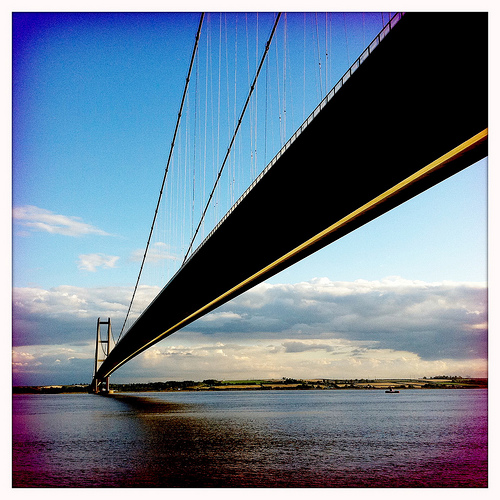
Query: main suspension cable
pixel 234 135
pixel 195 48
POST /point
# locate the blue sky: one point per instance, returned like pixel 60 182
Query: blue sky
pixel 95 99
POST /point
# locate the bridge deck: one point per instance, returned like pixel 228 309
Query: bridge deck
pixel 419 95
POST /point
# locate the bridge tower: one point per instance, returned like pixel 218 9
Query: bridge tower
pixel 102 349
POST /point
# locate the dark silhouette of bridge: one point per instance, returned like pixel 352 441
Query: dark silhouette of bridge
pixel 355 158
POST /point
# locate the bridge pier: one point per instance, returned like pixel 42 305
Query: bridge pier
pixel 102 349
pixel 100 386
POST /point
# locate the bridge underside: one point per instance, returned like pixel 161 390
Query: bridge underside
pixel 419 95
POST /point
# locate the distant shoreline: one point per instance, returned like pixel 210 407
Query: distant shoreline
pixel 267 385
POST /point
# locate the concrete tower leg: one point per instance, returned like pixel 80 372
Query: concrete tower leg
pixel 102 349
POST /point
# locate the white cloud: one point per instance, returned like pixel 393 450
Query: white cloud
pixel 220 316
pixel 40 219
pixel 306 346
pixel 156 252
pixel 91 261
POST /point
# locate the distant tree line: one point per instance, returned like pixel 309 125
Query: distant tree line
pixel 57 389
pixel 436 382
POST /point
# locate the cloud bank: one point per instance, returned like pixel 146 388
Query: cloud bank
pixel 39 219
pixel 90 262
pixel 156 252
pixel 434 320
pixel 319 328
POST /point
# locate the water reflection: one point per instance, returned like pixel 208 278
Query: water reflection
pixel 182 447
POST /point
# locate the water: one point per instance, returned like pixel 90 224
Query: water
pixel 418 438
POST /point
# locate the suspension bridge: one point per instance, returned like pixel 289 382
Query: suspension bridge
pixel 409 112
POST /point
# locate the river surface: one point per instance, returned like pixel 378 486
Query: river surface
pixel 329 438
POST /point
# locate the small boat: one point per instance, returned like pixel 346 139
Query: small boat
pixel 391 391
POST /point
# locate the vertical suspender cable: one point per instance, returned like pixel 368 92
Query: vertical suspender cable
pixel 364 43
pixel 304 80
pixel 279 96
pixel 284 79
pixel 228 106
pixel 206 123
pixel 233 177
pixel 251 108
pixel 319 57
pixel 195 48
pixel 326 53
pixel 265 114
pixel 196 104
pixel 346 40
pixel 235 132
pixel 288 64
pixel 256 107
pixel 218 107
